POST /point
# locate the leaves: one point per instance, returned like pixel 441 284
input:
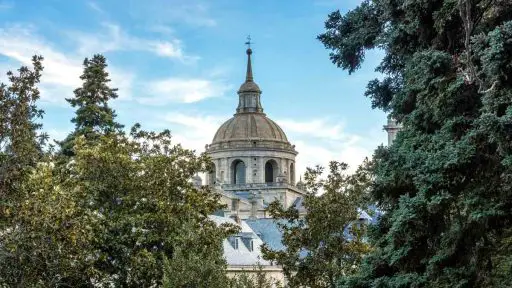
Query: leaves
pixel 444 184
pixel 327 242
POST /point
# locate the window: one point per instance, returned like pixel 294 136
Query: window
pixel 236 244
pixel 252 245
pixel 292 173
pixel 270 171
pixel 238 172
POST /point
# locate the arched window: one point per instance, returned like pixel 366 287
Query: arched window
pixel 270 171
pixel 238 169
pixel 292 174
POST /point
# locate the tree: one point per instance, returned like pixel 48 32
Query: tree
pixel 445 183
pixel 20 140
pixel 120 211
pixel 93 115
pixel 124 213
pixel 326 243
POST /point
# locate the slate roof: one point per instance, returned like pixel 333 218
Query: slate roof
pixel 241 255
pixel 268 231
pixel 264 230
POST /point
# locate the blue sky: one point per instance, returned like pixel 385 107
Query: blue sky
pixel 178 65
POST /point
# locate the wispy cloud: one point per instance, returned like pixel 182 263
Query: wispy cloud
pixel 62 70
pixel 182 90
pixel 320 140
pixel 113 38
pixel 318 128
pixel 192 130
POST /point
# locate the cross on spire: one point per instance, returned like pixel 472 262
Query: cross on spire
pixel 248 43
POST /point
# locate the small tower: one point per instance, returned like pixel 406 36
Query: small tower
pixel 392 128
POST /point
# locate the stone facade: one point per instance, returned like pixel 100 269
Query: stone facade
pixel 254 163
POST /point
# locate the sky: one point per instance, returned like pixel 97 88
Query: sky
pixel 179 63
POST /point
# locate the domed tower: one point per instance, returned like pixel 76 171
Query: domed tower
pixel 251 153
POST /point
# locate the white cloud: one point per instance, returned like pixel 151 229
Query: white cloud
pixel 320 140
pixel 61 70
pixel 193 131
pixel 113 38
pixel 182 90
pixel 318 128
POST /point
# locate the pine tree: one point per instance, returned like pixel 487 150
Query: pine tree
pixel 93 115
pixel 20 140
pixel 445 184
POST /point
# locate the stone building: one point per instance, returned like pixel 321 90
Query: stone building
pixel 254 165
pixel 254 161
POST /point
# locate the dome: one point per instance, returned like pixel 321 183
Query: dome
pixel 249 126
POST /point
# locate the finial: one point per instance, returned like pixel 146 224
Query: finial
pixel 248 43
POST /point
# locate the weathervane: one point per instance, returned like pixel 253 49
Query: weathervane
pixel 248 43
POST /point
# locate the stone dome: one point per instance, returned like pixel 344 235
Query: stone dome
pixel 249 126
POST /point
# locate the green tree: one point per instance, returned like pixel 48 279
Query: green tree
pixel 20 140
pixel 325 243
pixel 445 183
pixel 93 114
pixel 124 213
pixel 121 211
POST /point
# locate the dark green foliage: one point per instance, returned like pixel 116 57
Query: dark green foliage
pixel 445 185
pixel 318 252
pixel 20 142
pixel 93 114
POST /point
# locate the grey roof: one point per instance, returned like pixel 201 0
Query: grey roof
pixel 265 230
pixel 243 255
pixel 269 232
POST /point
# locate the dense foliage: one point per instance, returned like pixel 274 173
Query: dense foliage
pixel 324 242
pixel 119 211
pixel 20 139
pixel 445 185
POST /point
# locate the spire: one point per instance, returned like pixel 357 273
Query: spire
pixel 249 92
pixel 248 75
